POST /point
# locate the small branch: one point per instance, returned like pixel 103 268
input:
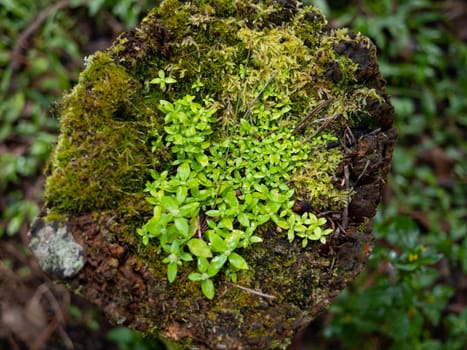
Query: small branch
pixel 363 172
pixel 257 97
pixel 327 121
pixel 325 213
pixel 252 291
pixel 58 322
pixel 314 111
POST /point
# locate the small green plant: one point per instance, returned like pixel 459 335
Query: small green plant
pixel 162 80
pixel 211 199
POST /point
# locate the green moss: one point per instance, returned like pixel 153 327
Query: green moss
pixel 102 154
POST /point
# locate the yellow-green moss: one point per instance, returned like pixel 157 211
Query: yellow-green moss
pixel 102 154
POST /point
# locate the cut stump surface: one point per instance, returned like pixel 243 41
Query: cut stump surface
pixel 95 189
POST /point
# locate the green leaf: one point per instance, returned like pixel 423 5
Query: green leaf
pixel 214 213
pixel 203 264
pixel 233 276
pixel 255 239
pixel 185 256
pixel 261 219
pixel 196 276
pixel 189 210
pixel 169 203
pixel 237 261
pixel 291 234
pixel 172 272
pixel 198 247
pixel 226 222
pixel 217 243
pixel 165 106
pixel 181 194
pixel 281 223
pixel 170 80
pixel 207 286
pixel 174 247
pixel 183 171
pixel 243 219
pixel 152 227
pixel 216 264
pixel 157 212
pixel 203 160
pixel 182 226
pixel 231 199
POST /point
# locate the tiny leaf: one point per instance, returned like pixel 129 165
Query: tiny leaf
pixel 216 264
pixel 207 286
pixel 203 264
pixel 198 247
pixel 195 276
pixel 237 261
pixel 172 272
pixel 182 226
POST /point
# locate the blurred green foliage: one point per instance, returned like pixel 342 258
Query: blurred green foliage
pixel 402 300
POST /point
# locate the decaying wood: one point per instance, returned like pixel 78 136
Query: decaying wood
pixel 289 286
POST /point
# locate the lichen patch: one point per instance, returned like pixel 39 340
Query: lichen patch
pixel 55 249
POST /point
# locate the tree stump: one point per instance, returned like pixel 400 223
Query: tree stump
pixel 87 235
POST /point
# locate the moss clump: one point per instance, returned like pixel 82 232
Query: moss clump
pixel 102 154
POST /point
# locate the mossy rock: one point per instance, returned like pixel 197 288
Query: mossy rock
pixel 229 51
